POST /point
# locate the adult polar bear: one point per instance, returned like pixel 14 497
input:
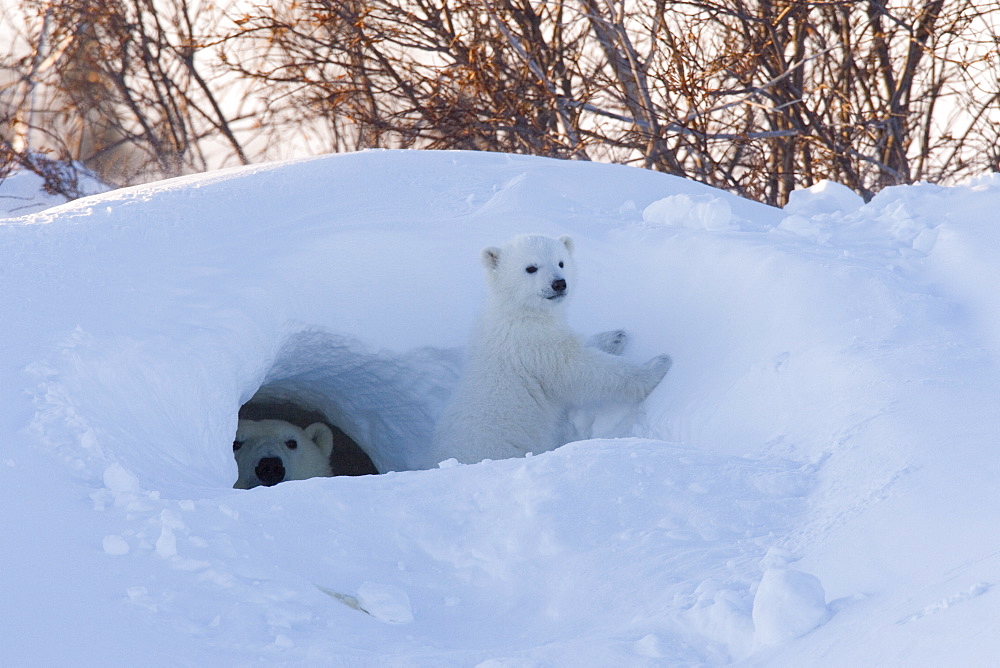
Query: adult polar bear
pixel 525 368
pixel 271 451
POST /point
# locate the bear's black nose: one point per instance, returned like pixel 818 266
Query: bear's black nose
pixel 270 470
pixel 559 285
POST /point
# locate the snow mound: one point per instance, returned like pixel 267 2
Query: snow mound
pixel 825 197
pixel 832 405
pixel 700 212
pixel 788 604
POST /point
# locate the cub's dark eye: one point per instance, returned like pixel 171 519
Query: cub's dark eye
pixel 560 264
pixel 291 444
pixel 531 269
pixel 237 445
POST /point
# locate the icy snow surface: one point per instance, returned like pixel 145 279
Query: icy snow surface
pixel 814 483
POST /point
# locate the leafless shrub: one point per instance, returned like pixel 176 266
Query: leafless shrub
pixel 116 85
pixel 759 98
pixel 756 97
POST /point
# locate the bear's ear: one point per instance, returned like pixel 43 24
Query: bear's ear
pixel 568 243
pixel 490 257
pixel 321 435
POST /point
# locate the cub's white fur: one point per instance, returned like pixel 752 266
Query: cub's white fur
pixel 525 369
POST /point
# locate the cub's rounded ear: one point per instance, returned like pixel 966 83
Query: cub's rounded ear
pixel 321 435
pixel 567 242
pixel 490 257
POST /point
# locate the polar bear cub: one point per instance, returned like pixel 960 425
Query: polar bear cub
pixel 271 451
pixel 525 369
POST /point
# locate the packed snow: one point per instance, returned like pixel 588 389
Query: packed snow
pixel 813 483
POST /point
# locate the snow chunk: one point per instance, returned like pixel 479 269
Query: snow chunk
pixel 817 211
pixel 807 228
pixel 115 545
pixel 385 603
pixel 788 605
pixel 723 616
pixel 825 197
pixel 166 544
pixel 120 480
pixel 121 489
pixel 925 240
pixel 699 212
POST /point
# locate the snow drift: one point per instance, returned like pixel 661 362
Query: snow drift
pixel 812 483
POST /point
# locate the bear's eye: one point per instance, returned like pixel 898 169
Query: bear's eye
pixel 237 445
pixel 531 269
pixel 291 444
pixel 560 264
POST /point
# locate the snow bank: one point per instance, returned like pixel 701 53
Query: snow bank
pixel 797 491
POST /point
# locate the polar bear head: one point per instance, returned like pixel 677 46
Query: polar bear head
pixel 271 451
pixel 532 271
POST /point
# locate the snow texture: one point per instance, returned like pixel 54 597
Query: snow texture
pixel 812 484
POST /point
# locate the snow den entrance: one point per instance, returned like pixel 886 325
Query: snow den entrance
pixel 385 404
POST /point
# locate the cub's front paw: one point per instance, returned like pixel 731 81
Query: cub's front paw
pixel 659 366
pixel 612 342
